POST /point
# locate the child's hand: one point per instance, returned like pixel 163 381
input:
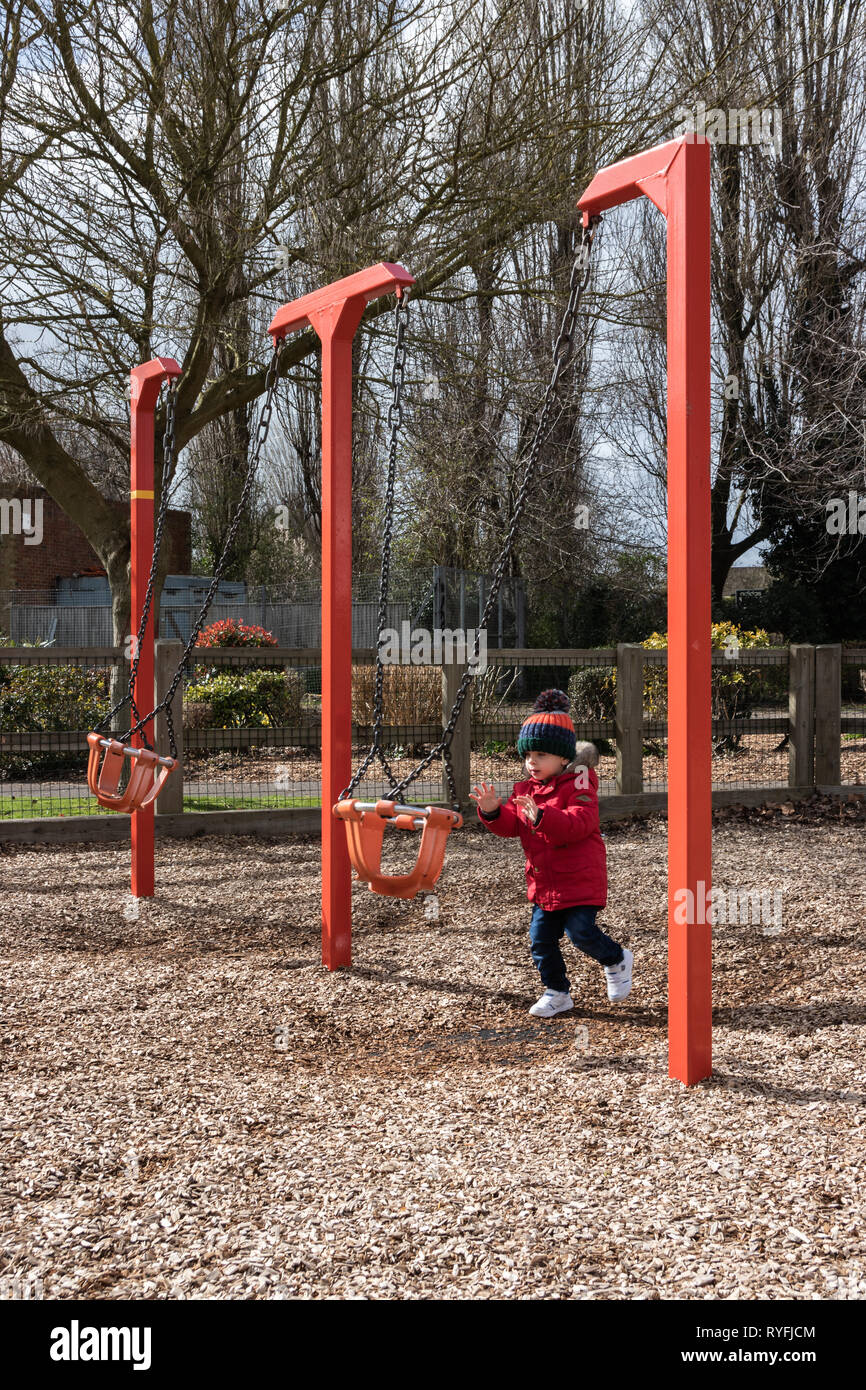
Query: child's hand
pixel 487 798
pixel 529 807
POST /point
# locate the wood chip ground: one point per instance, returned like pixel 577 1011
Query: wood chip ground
pixel 195 1108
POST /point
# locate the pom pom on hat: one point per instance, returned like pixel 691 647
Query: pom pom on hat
pixel 549 729
pixel 552 699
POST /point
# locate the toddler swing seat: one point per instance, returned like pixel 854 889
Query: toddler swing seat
pixel 366 822
pixel 104 772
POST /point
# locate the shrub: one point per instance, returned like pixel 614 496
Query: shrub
pixel 230 632
pixel 245 699
pixel 34 698
pixel 736 690
pixel 410 694
pixel 592 691
pixel 37 699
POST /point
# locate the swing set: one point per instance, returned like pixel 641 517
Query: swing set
pixel 675 176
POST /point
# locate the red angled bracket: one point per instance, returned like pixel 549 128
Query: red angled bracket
pixel 147 381
pixel 676 178
pixel 335 313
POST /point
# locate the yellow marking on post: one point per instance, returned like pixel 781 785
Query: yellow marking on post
pixel 147 496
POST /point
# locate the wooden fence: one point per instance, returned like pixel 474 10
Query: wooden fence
pixel 813 726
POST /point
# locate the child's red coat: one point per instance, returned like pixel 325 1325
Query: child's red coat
pixel 566 864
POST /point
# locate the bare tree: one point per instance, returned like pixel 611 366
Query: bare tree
pixel 485 343
pixel 788 253
pixel 120 137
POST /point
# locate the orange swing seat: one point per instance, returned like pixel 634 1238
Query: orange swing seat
pixel 103 774
pixel 365 830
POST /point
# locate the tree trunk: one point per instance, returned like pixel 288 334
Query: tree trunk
pixel 119 580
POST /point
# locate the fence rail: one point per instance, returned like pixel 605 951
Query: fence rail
pixel 784 721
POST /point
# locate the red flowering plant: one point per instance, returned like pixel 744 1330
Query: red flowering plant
pixel 230 632
pixel 227 677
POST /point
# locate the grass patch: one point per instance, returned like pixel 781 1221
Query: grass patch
pixel 31 807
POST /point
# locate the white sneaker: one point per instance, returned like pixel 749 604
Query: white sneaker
pixel 552 1002
pixel 619 976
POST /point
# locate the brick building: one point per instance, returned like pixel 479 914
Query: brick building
pixel 63 551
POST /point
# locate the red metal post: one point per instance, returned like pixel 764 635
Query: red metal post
pixel 676 177
pixel 334 312
pixel 147 380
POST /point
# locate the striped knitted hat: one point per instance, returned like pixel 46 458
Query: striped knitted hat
pixel 549 728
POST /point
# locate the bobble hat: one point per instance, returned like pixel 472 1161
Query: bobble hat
pixel 549 728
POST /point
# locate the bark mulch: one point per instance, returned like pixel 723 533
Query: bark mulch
pixel 195 1108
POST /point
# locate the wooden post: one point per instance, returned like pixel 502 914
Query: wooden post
pixel 629 719
pixel 168 654
pixel 461 744
pixel 801 716
pixel 828 715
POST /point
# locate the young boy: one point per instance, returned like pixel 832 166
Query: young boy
pixel 555 813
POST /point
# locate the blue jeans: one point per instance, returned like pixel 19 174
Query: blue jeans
pixel 545 932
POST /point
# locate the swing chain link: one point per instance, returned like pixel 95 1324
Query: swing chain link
pixel 395 420
pixel 580 275
pixel 168 456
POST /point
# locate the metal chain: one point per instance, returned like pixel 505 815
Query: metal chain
pixel 395 420
pixel 580 274
pixel 271 379
pixel 168 454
